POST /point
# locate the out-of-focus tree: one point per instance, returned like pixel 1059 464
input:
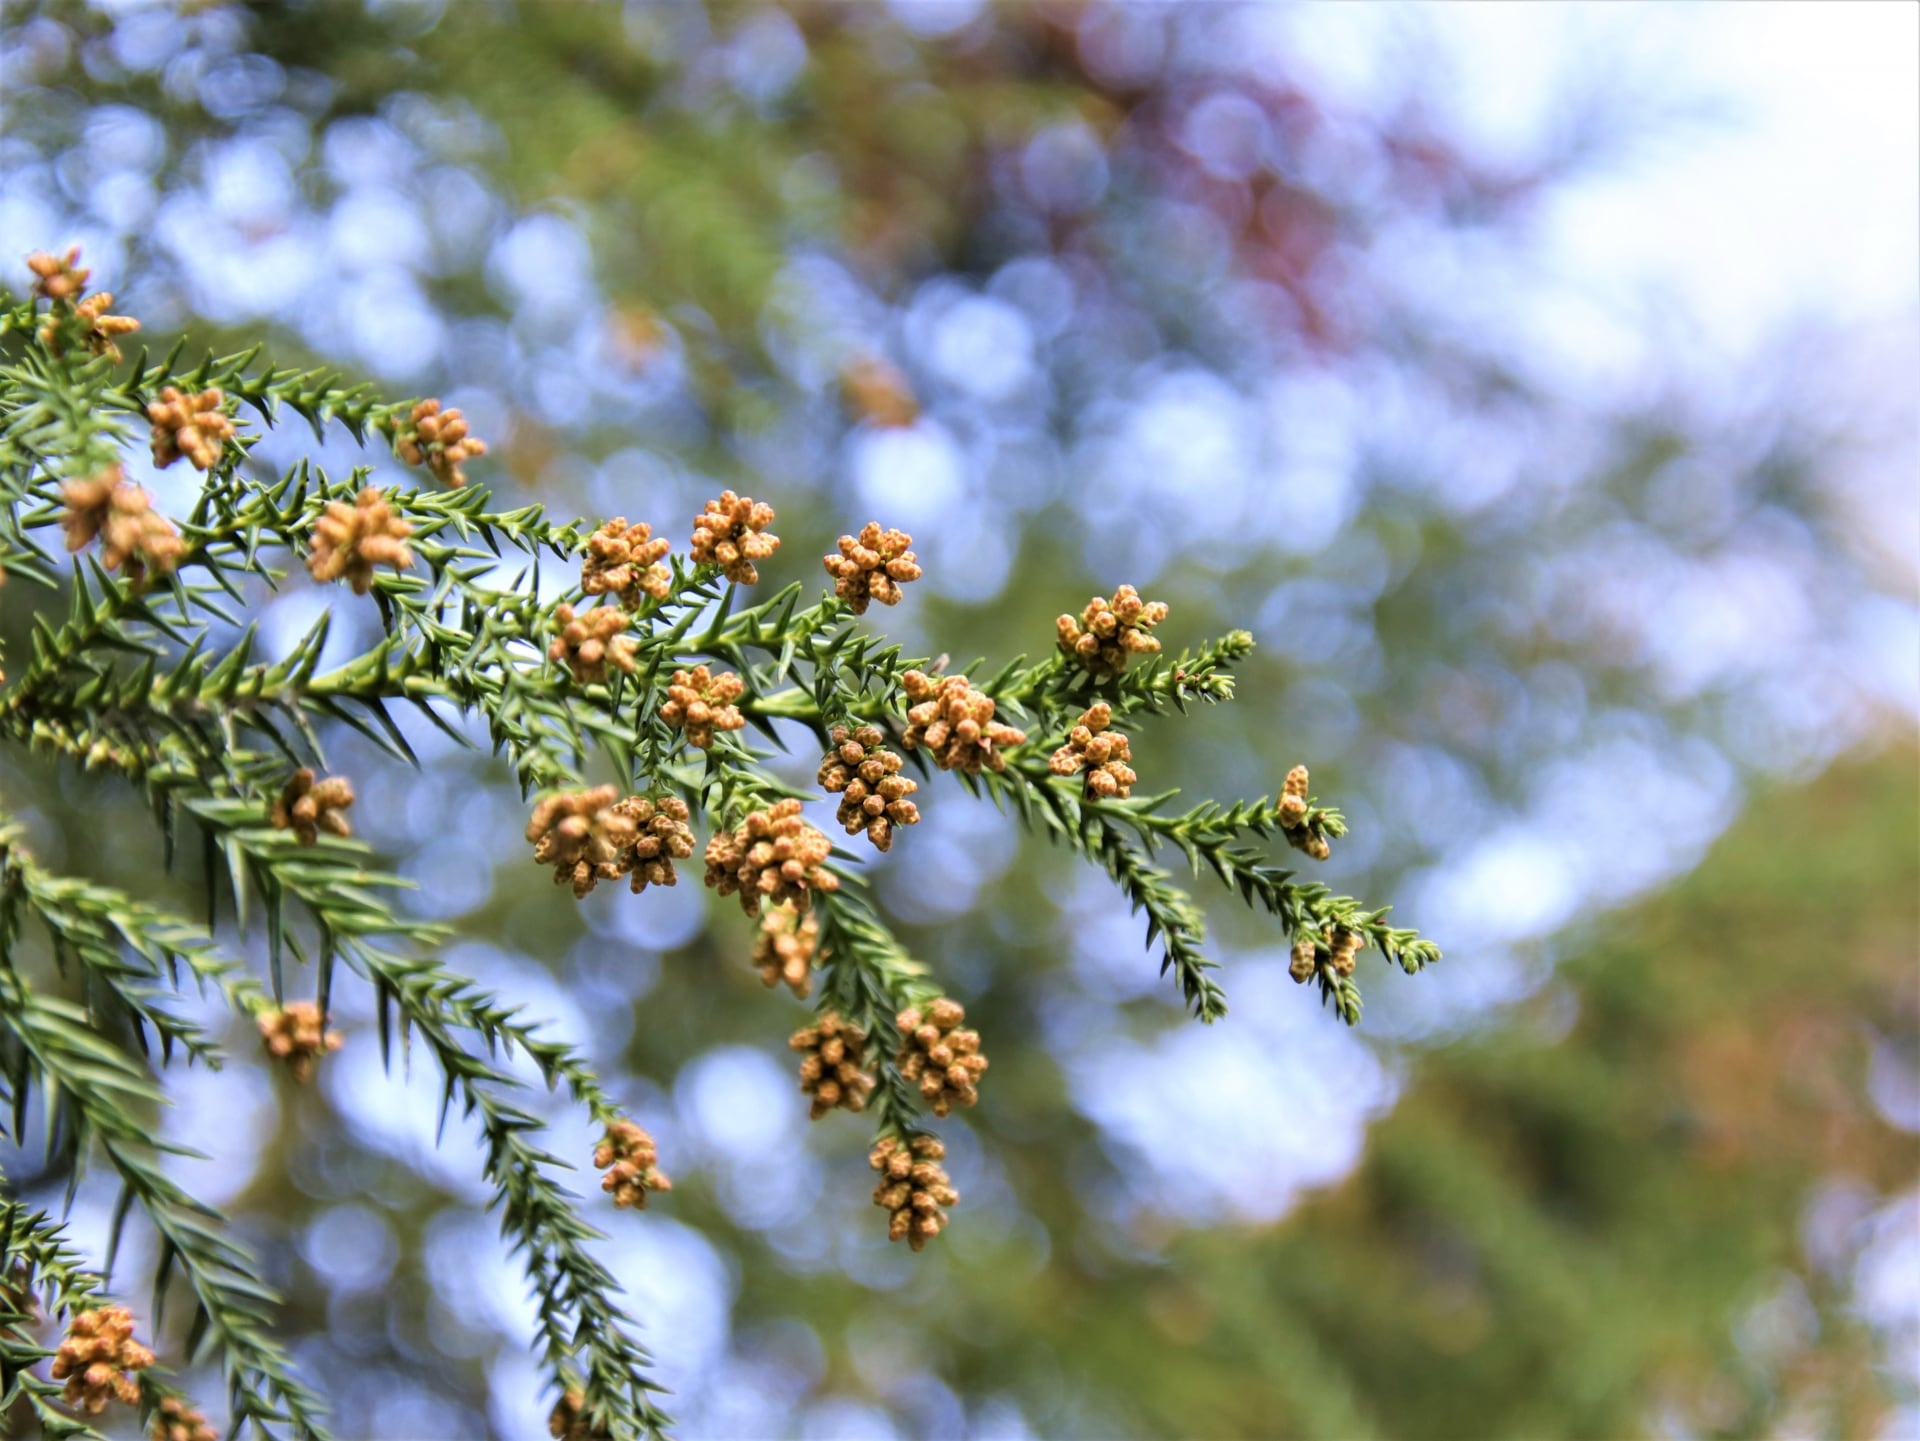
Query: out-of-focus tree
pixel 1644 1203
pixel 1080 294
pixel 1659 1198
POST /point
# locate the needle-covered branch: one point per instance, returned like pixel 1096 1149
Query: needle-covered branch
pixel 616 676
pixel 104 1096
pixel 129 954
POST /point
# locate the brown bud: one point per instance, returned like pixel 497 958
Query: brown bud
pixel 1109 633
pixel 943 1059
pixel 866 776
pixel 1305 961
pixel 773 855
pixel 627 1155
pixel 660 836
pixel 1102 752
pixel 914 1188
pixel 350 540
pixel 99 1360
pixel 569 1420
pixel 700 702
pixel 297 1035
pixel 623 561
pixel 98 329
pixel 872 566
pixel 586 836
pixel 589 644
pixel 1344 946
pixel 132 534
pixel 785 948
pixel 439 440
pixel 58 277
pixel 195 426
pixel 307 806
pixel 177 1419
pixel 1304 827
pixel 955 721
pixel 832 1065
pixel 732 533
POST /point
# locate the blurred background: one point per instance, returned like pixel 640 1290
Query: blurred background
pixel 1537 383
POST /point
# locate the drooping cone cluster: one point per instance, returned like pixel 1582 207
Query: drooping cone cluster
pixel 775 855
pixel 1297 821
pixel 1110 633
pixel 569 1420
pixel 700 702
pixel 98 1360
pixel 191 425
pixel 307 806
pixel 297 1035
pixel 623 561
pixel 61 280
pixel 350 540
pixel 940 1056
pixel 832 1053
pixel 627 1155
pixel 866 776
pixel 1306 960
pixel 592 836
pixel 784 949
pixel 732 534
pixel 131 532
pixel 661 837
pixel 582 836
pixel 1341 946
pixel 58 277
pixel 100 325
pixel 1102 752
pixel 872 567
pixel 955 721
pixel 914 1188
pixel 589 643
pixel 439 440
pixel 177 1419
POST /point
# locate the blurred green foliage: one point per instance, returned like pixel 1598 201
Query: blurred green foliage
pixel 1553 1233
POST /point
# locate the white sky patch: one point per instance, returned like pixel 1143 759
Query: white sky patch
pixel 1235 1120
pixel 914 473
pixel 1805 201
pixel 1792 192
pixel 398 1112
pixel 225 1116
pixel 1514 885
